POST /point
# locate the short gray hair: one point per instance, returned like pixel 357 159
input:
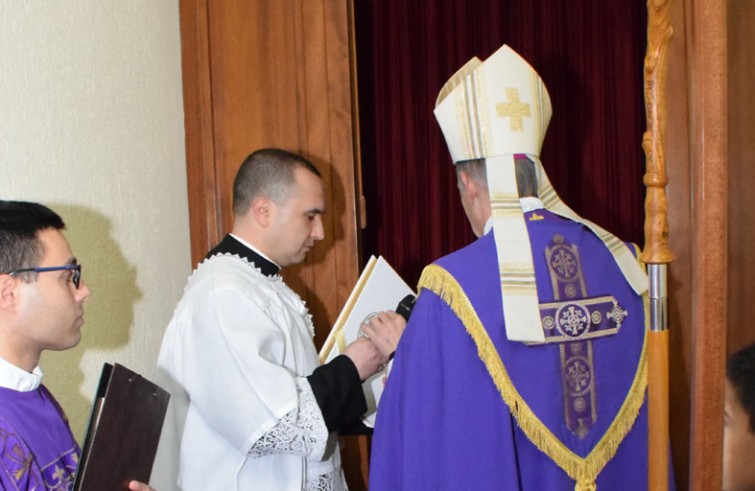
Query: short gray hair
pixel 526 176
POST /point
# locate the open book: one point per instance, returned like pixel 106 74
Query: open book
pixel 379 288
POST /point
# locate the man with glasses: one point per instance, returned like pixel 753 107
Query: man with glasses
pixel 41 308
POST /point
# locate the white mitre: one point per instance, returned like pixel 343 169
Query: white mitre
pixel 496 110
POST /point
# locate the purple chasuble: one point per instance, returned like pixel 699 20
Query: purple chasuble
pixel 443 424
pixel 38 448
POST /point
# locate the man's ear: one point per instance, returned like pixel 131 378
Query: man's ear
pixel 261 209
pixel 8 291
pixel 469 186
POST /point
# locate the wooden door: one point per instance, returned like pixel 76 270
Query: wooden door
pixel 698 202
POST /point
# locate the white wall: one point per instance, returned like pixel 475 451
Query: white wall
pixel 91 124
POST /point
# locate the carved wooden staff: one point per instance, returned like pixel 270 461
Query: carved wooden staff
pixel 656 253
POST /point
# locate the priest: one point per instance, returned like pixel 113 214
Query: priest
pixel 252 407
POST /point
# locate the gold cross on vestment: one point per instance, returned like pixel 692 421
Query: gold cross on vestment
pixel 514 109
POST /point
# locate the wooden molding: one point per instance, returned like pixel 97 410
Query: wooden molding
pixel 204 209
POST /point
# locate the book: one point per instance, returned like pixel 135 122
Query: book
pixel 123 433
pixel 378 288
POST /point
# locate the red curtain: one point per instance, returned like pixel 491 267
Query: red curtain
pixel 590 56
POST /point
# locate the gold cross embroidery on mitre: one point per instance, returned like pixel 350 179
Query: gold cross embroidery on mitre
pixel 514 109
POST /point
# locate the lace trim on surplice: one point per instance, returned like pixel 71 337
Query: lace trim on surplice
pixel 303 432
pixel 300 432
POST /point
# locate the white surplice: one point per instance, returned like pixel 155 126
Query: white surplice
pixel 238 348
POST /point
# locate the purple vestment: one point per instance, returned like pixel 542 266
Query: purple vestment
pixel 443 423
pixel 37 449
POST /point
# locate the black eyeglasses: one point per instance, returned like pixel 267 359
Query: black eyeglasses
pixel 76 268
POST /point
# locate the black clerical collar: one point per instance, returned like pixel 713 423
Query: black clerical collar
pixel 230 245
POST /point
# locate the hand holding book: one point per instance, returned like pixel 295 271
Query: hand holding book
pixel 139 486
pixel 379 289
pixel 384 329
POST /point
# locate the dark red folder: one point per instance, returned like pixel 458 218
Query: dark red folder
pixel 124 430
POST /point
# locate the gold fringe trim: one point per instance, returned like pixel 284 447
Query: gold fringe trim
pixel 584 471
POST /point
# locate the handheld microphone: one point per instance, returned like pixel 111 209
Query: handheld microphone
pixel 405 306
